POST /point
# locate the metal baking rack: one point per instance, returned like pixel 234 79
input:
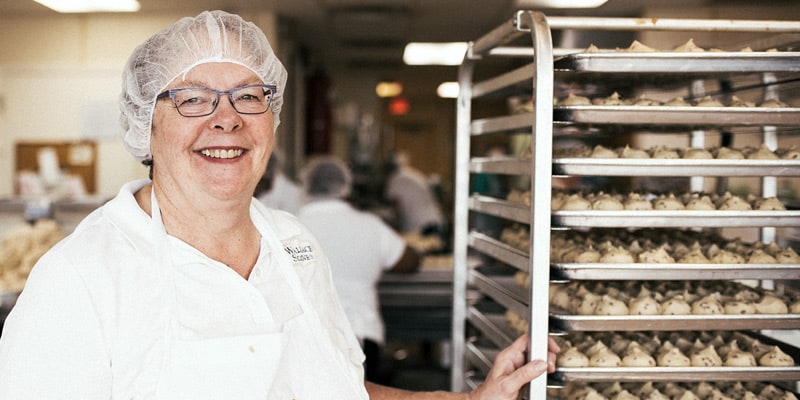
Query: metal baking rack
pixel 536 80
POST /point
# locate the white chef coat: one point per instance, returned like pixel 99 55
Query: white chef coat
pixel 417 205
pixel 91 321
pixel 360 246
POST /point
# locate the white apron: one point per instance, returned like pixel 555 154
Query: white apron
pixel 298 363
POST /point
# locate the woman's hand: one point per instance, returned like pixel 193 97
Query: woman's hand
pixel 510 371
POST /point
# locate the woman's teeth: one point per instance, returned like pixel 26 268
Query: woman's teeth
pixel 219 153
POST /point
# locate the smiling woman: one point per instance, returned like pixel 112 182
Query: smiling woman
pixel 184 286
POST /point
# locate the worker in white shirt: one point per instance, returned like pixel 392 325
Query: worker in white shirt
pixel 276 190
pixel 411 196
pixel 359 246
pixel 184 286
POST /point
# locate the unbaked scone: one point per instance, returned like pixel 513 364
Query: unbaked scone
pixel 636 357
pixel 617 255
pixel 695 256
pixel 663 152
pixel 668 203
pixel 701 202
pixel 572 357
pixel 656 256
pixel 790 153
pixel 726 153
pixel 734 202
pixel 727 257
pixel 763 153
pixel 771 304
pixel 576 202
pixel 739 307
pixel 607 202
pixel 759 256
pixel 677 102
pixel 605 358
pixel 588 255
pixel 706 305
pixel 737 357
pixel 613 100
pixel 638 47
pixel 575 100
pixel 635 201
pixel 708 101
pixel 774 103
pixel 706 357
pixel 770 204
pixel 629 152
pixel 672 357
pixel 602 152
pixel 611 306
pixel 737 102
pixel 788 256
pixel 644 305
pixel 697 153
pixel 776 358
pixel 677 305
pixel 688 47
pixel 646 101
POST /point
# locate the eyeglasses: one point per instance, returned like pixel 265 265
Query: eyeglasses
pixel 200 101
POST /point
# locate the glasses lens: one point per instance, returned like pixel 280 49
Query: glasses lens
pixel 252 99
pixel 195 102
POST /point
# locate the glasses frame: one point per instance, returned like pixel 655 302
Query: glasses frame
pixel 171 94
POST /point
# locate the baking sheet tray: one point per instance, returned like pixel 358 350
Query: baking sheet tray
pixel 563 320
pixel 673 271
pixel 683 374
pixel 690 374
pixel 665 115
pixel 505 291
pixel 680 62
pixel 675 219
pixel 674 167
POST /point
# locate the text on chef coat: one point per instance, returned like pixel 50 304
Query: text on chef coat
pixel 300 252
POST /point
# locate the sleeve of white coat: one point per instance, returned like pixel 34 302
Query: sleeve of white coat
pixel 392 245
pixel 52 346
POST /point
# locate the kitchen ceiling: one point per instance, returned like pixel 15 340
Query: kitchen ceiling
pixel 371 33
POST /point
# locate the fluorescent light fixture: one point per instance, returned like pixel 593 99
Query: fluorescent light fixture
pixel 533 4
pixel 85 6
pixel 388 89
pixel 419 53
pixel 448 90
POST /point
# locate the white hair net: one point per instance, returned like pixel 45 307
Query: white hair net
pixel 327 176
pixel 212 36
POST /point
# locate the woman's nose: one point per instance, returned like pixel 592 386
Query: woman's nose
pixel 225 117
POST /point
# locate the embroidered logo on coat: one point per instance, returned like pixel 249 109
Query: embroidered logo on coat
pixel 300 252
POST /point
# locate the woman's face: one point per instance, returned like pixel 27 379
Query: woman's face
pixel 222 155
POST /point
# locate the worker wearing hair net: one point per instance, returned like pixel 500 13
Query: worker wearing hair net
pixel 184 286
pixel 360 247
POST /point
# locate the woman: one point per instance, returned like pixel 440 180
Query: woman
pixel 184 286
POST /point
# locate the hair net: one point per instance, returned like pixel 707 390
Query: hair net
pixel 212 36
pixel 327 177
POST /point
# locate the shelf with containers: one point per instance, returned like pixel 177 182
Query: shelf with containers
pixel 520 278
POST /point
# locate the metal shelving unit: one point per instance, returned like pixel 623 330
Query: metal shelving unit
pixel 544 67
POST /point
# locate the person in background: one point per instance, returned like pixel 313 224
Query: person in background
pixel 276 190
pixel 359 246
pixel 410 193
pixel 184 286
